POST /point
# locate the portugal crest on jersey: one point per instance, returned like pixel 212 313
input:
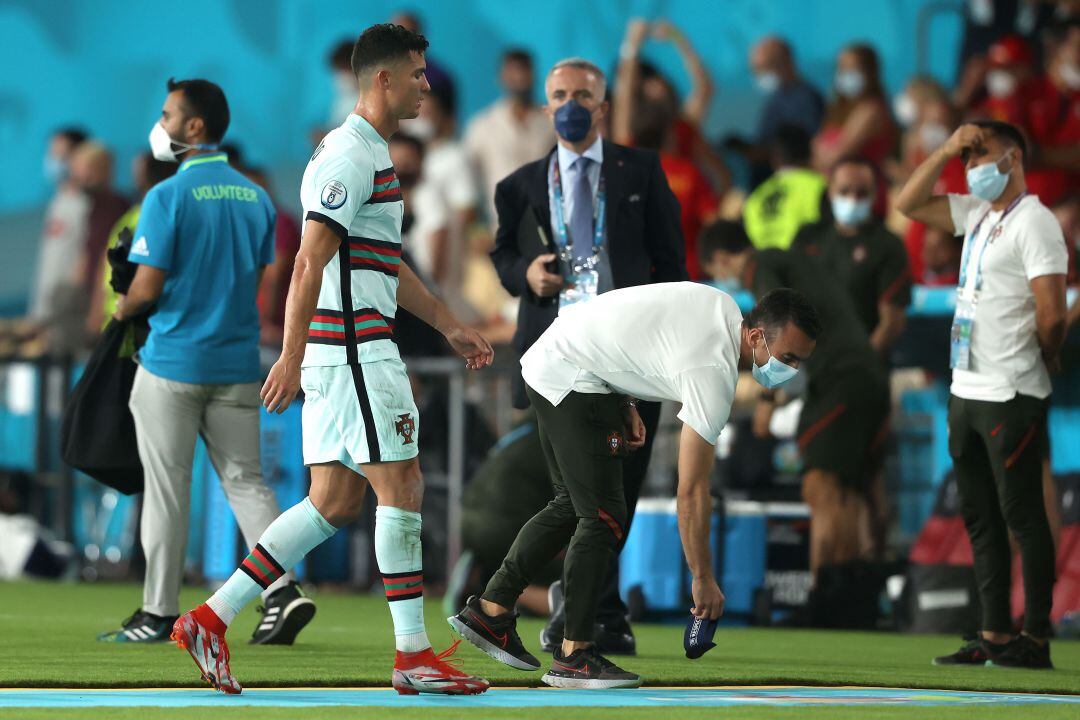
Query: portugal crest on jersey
pixel 405 427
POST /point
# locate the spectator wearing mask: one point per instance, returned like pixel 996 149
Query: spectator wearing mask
pixel 857 120
pixel 936 122
pixel 858 251
pixel 63 237
pixel 147 172
pixel 446 170
pixel 202 243
pixel 638 83
pixel 1006 338
pixel 345 92
pixel 909 103
pixel 425 227
pixel 1008 84
pixel 790 198
pixel 941 253
pixel 509 133
pixel 654 130
pixel 91 169
pixel 789 101
pixel 345 88
pixel 985 23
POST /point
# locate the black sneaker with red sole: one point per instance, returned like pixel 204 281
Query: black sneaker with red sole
pixel 497 636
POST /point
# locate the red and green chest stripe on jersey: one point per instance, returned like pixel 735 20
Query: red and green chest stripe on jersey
pixel 386 188
pixel 377 255
pixel 328 327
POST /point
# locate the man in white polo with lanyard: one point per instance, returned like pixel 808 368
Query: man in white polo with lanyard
pixel 1006 336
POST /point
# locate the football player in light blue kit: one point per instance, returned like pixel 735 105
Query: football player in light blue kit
pixel 360 422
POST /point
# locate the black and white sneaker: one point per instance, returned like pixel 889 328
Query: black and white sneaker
pixel 587 669
pixel 975 651
pixel 141 627
pixel 497 636
pixel 286 613
pixel 551 636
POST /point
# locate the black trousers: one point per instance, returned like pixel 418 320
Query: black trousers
pixel 998 450
pixel 612 609
pixel 583 441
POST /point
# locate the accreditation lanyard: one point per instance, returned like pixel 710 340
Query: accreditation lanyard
pixel 986 243
pixel 562 236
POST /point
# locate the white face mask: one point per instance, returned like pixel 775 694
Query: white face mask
pixel 1000 83
pixel 849 83
pixel 905 109
pixel 163 147
pixel 768 82
pixel 932 136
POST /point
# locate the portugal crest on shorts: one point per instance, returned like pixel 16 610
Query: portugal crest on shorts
pixel 615 442
pixel 405 427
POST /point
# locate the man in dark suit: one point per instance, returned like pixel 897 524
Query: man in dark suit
pixel 605 218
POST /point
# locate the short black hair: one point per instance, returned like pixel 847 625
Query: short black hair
pixel 382 43
pixel 73 134
pixel 1004 132
pixel 411 140
pixel 517 55
pixel 791 145
pixel 726 236
pixel 206 100
pixel 854 159
pixel 782 306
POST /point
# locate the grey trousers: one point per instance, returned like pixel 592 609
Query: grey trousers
pixel 169 416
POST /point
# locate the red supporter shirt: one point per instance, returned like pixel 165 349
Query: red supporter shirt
pixel 697 204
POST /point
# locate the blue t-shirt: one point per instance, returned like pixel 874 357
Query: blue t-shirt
pixel 211 230
pixel 798 104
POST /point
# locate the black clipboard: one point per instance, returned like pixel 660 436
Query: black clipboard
pixel 533 240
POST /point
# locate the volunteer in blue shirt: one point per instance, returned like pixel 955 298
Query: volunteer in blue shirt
pixel 204 237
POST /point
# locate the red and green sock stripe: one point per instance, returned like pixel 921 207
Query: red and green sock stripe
pixel 403 586
pixel 262 567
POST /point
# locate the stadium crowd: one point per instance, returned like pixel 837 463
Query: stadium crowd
pixel 822 170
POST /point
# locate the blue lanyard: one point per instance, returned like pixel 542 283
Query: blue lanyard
pixel 562 237
pixel 982 251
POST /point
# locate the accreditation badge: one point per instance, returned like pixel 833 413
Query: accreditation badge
pixel 583 287
pixel 960 334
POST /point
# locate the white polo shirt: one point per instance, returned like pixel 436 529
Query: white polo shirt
pixel 1005 354
pixel 668 341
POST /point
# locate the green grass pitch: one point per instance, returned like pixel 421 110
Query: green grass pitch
pixel 47 633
